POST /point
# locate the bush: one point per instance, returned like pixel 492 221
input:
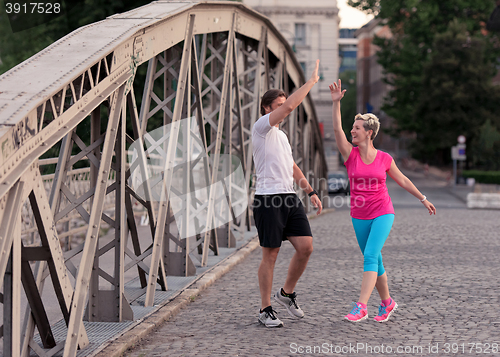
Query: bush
pixel 483 176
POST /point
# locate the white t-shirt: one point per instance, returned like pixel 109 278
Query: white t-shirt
pixel 273 159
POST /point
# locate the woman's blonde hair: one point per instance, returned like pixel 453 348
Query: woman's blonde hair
pixel 371 122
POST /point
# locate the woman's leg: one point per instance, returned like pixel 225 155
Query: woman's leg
pixel 362 228
pixel 367 285
pixel 383 287
pixel 373 265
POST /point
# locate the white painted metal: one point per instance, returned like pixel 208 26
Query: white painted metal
pixel 82 278
pixel 60 278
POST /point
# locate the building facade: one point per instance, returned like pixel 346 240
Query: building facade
pixel 312 30
pixel 348 49
pixel 370 79
pixel 371 88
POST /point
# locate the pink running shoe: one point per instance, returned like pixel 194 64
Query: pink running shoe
pixel 357 313
pixel 384 312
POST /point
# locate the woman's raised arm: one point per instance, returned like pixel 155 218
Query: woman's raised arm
pixel 344 146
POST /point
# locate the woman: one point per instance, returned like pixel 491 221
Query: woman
pixel 371 207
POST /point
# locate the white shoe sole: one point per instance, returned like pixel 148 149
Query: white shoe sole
pixel 361 319
pixel 271 326
pixel 390 313
pixel 287 307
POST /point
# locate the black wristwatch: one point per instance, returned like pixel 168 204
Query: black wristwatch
pixel 313 192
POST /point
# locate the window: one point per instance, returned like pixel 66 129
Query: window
pixel 300 34
pixel 349 62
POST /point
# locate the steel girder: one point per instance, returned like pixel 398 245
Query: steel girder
pixel 207 61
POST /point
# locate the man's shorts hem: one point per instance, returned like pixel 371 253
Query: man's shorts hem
pixel 278 217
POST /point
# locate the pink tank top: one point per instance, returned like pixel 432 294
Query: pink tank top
pixel 369 196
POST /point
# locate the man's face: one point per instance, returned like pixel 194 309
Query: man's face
pixel 278 102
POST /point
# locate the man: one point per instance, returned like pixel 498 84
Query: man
pixel 279 214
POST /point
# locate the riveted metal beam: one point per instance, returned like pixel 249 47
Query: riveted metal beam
pixel 162 213
pixel 82 280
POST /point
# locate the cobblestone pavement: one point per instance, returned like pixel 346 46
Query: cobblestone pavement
pixel 442 270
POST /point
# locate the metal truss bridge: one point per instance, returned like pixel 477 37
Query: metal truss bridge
pixel 68 118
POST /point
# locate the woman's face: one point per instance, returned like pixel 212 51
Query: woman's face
pixel 358 132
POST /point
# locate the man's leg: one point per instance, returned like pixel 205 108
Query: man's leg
pixel 265 274
pixel 303 249
pixel 286 297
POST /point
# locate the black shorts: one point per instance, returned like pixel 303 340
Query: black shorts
pixel 278 217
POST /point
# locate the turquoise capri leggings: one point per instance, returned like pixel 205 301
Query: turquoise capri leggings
pixel 371 235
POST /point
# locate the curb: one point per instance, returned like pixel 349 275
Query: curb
pixel 117 346
pixel 483 200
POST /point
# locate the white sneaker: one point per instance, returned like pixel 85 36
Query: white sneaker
pixel 290 303
pixel 268 318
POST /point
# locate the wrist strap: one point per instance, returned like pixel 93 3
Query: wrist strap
pixel 313 192
pixel 423 199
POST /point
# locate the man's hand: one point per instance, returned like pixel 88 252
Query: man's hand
pixel 317 203
pixel 314 75
pixel 336 91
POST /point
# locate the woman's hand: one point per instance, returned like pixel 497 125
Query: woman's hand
pixel 430 207
pixel 336 91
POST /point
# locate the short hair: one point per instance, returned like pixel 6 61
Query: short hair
pixel 269 97
pixel 371 122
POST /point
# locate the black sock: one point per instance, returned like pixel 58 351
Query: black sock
pixel 285 294
pixel 266 309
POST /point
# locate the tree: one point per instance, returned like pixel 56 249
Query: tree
pixel 15 47
pixel 407 60
pixel 457 96
pixel 485 148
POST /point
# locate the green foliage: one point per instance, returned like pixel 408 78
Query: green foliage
pixel 483 176
pixel 439 66
pixel 368 6
pixel 486 147
pixel 457 97
pixel 16 47
pixel 19 46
